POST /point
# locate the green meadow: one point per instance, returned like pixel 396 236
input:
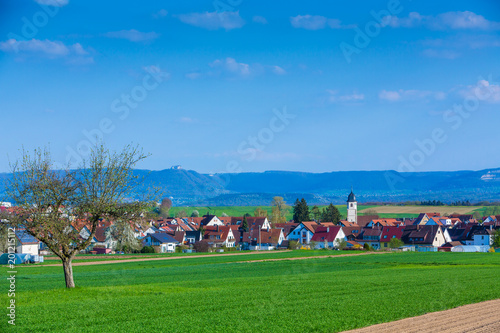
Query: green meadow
pixel 241 210
pixel 229 294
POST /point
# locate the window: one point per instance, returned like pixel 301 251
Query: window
pixel 352 205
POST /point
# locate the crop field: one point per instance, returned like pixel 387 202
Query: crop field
pixel 227 294
pixel 404 210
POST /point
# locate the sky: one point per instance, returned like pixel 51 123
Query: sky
pixel 249 86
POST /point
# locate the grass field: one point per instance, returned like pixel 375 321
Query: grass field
pixel 382 211
pixel 223 294
pixel 241 210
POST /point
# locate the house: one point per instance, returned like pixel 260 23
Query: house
pixel 287 227
pixel 103 239
pixel 483 237
pixel 162 241
pixel 328 237
pixel 193 236
pixel 370 236
pixel 345 223
pixel 389 233
pixel 351 232
pixel 253 222
pixel 382 223
pixel 303 232
pixel 219 236
pixel 25 243
pixel 258 239
pixel 424 237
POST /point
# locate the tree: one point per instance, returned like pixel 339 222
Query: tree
pixel 244 224
pixel 279 210
pixel 48 201
pixel 125 239
pixel 165 206
pixel 395 243
pixel 224 214
pixel 181 213
pixel 342 244
pixel 260 212
pixel 300 211
pixel 496 239
pixel 331 214
pixel 367 247
pixel 293 245
pixel 195 213
pixel 316 213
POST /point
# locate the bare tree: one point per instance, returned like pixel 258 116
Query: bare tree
pixel 279 210
pixel 50 201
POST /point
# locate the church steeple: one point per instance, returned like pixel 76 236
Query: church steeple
pixel 352 207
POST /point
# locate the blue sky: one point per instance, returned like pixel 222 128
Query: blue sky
pixel 235 85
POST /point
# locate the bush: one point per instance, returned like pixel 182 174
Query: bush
pixel 293 245
pixel 367 247
pixel 201 246
pixel 148 249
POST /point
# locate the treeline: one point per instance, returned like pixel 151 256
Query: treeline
pixel 302 213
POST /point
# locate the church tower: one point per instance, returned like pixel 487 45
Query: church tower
pixel 352 208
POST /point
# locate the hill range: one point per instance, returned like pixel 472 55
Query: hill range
pixel 188 187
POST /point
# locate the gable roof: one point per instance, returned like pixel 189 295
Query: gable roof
pixel 391 232
pixel 162 237
pixel 24 238
pixel 310 226
pixel 325 233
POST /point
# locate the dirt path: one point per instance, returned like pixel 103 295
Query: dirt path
pixel 103 262
pixel 481 317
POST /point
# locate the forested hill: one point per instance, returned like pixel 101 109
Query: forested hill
pixel 188 187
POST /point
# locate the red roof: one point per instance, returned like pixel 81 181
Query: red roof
pixel 391 232
pixel 325 233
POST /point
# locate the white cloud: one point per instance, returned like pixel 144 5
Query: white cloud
pixel 334 97
pixel 440 53
pixel 484 90
pixel 259 19
pixel 133 35
pixel 316 22
pixel 51 49
pixel 278 70
pixel 54 3
pixel 160 14
pixel 193 75
pixel 213 20
pixel 402 94
pixel 187 120
pixel 444 21
pixel 231 66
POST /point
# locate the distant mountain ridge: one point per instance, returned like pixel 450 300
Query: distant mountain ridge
pixel 188 187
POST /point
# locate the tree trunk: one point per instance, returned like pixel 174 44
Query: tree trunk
pixel 68 272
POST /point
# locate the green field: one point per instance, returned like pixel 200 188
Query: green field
pixel 385 211
pixel 241 210
pixel 223 294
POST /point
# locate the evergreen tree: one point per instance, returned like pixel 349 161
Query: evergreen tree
pixel 316 213
pixel 301 211
pixel 331 214
pixel 244 224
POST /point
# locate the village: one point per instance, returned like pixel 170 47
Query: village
pixel 429 232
